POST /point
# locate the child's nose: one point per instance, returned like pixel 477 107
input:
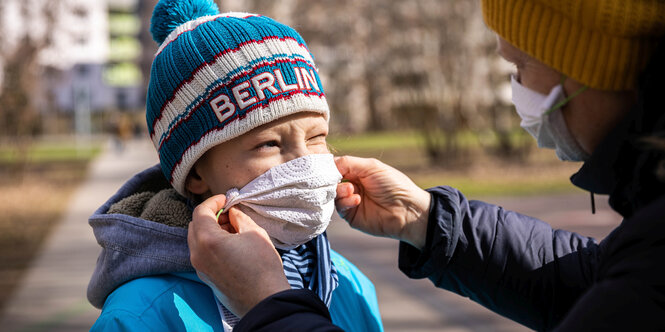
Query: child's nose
pixel 297 151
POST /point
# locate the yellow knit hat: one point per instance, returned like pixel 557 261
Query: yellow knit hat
pixel 604 44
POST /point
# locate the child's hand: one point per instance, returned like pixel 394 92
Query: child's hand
pixel 235 254
pixel 382 201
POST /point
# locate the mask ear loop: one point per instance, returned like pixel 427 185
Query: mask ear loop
pixel 569 98
pixel 561 104
pixel 219 213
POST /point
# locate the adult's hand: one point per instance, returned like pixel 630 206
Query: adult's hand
pixel 382 201
pixel 235 254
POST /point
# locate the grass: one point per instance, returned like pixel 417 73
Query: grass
pixel 513 181
pixel 32 201
pixel 44 152
pixel 480 174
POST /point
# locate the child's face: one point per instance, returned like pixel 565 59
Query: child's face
pixel 235 163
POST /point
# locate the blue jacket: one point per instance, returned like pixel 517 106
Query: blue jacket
pixel 144 281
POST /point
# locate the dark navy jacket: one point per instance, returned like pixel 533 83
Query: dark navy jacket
pixel 521 268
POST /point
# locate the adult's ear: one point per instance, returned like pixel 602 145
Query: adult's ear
pixel 194 182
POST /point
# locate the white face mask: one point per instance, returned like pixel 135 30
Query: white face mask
pixel 542 118
pixel 293 201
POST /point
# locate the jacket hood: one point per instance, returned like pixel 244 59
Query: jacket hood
pixel 142 230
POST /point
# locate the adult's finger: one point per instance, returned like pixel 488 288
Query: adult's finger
pixel 347 196
pixel 210 206
pixel 345 203
pixel 353 168
pixel 204 217
pixel 240 221
pixel 345 189
pixel 225 223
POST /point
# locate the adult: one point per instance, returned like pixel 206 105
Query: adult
pixel 588 83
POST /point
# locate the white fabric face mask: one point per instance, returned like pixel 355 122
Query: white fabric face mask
pixel 542 118
pixel 293 201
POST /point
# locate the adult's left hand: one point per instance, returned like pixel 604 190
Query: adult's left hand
pixel 235 254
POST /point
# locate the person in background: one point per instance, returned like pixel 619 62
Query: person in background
pixel 588 82
pixel 235 105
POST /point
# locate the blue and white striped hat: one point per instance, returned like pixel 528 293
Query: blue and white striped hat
pixel 218 76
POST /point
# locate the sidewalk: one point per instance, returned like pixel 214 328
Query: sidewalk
pixel 52 296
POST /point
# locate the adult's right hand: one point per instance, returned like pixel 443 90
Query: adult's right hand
pixel 235 255
pixel 382 201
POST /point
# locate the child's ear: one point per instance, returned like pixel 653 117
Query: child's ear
pixel 194 182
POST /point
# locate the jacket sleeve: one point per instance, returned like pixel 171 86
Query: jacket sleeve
pixel 120 321
pixel 514 265
pixel 629 292
pixel 290 310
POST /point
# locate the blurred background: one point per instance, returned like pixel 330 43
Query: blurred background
pixel 416 84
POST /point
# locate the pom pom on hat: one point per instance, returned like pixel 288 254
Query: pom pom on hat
pixel 169 14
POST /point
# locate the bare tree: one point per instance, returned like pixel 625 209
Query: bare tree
pixel 387 64
pixel 19 118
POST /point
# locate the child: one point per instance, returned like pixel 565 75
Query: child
pixel 235 106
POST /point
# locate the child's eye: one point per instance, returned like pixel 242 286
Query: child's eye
pixel 318 138
pixel 267 144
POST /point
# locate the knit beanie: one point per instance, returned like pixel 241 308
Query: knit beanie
pixel 217 76
pixel 604 44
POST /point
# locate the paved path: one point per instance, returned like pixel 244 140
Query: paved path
pixel 52 296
